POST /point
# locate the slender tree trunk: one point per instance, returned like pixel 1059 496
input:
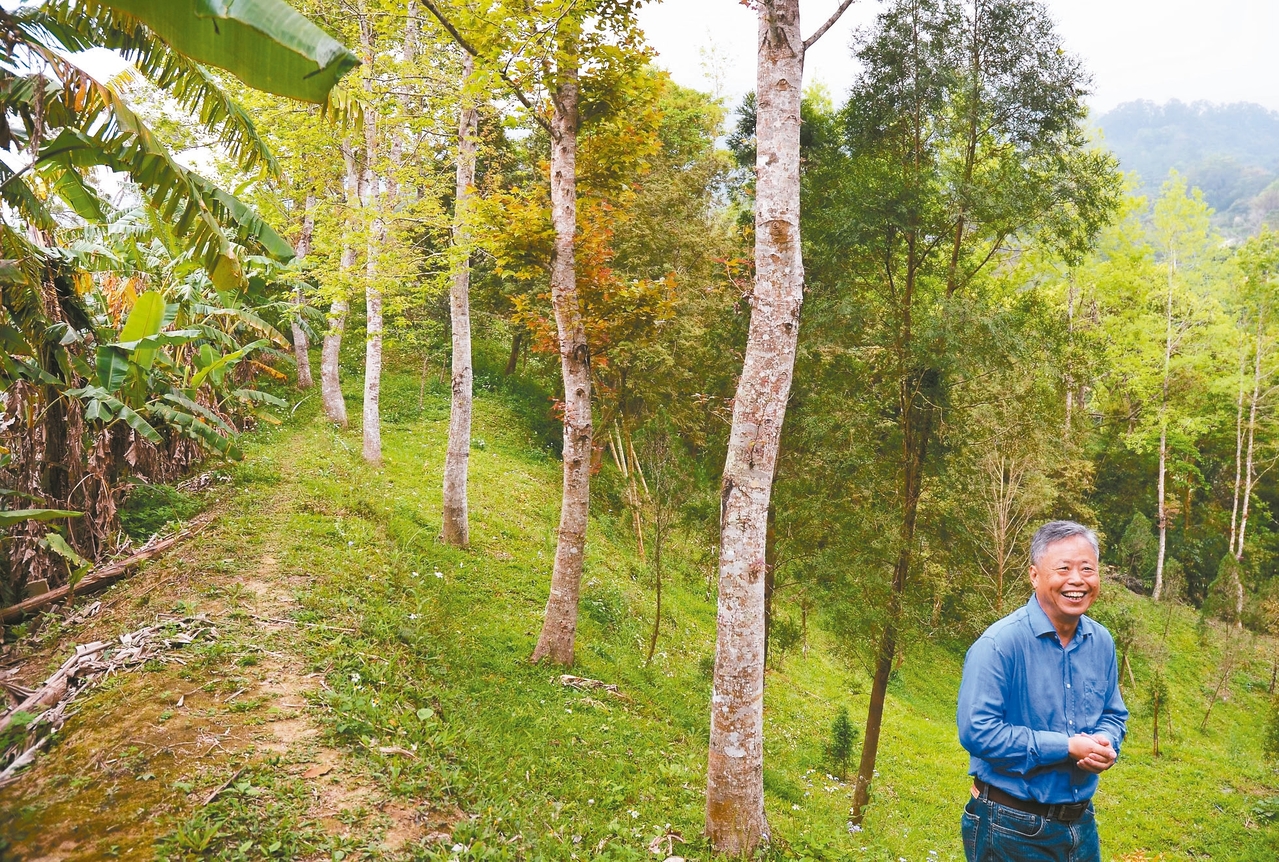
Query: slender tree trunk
pixel 517 342
pixel 970 148
pixel 456 529
pixel 1239 436
pixel 372 420
pixel 917 417
pixel 803 623
pixel 1157 704
pixel 1249 472
pixel 660 462
pixel 1227 667
pixel 301 345
pixel 735 820
pixel 1163 514
pixel 1070 338
pixel 657 574
pixel 330 385
pixel 1163 440
pixel 559 629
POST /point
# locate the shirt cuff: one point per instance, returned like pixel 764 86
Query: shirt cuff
pixel 1053 747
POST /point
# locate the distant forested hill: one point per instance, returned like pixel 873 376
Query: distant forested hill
pixel 1230 152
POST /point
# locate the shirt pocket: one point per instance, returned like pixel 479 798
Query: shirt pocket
pixel 1092 704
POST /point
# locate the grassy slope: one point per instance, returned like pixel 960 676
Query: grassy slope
pixel 437 664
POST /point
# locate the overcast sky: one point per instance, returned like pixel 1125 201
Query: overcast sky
pixel 1221 51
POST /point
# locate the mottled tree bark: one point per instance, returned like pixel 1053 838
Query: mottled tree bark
pixel 559 628
pixel 301 345
pixel 371 424
pixel 456 529
pixel 735 821
pixel 330 385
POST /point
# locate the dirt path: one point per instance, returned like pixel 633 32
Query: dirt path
pixel 165 760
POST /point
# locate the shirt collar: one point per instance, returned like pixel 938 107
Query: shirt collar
pixel 1040 624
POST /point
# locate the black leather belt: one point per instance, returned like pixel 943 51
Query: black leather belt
pixel 1066 811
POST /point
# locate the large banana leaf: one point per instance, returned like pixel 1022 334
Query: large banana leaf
pixel 10 517
pixel 197 429
pixel 265 43
pixel 146 318
pixel 101 405
pixel 189 83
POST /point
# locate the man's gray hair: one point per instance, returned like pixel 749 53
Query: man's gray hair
pixel 1055 531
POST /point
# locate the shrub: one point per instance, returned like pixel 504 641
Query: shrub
pixel 148 508
pixel 843 736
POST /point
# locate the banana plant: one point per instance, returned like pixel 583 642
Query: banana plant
pixel 70 343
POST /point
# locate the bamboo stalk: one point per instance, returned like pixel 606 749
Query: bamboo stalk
pixel 638 469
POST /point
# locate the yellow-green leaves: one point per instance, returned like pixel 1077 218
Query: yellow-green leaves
pixel 146 318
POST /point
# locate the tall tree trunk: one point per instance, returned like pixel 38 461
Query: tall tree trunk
pixel 1163 439
pixel 559 629
pixel 1162 514
pixel 970 151
pixel 1249 481
pixel 301 345
pixel 330 385
pixel 657 580
pixel 735 820
pixel 369 202
pixel 1070 339
pixel 456 529
pixel 1239 436
pixel 917 421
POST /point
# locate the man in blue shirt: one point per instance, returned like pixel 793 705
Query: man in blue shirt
pixel 1040 712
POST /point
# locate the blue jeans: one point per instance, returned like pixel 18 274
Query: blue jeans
pixel 997 833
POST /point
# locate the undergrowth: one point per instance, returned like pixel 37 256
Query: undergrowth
pixel 423 652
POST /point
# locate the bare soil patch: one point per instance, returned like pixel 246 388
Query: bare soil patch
pixel 146 748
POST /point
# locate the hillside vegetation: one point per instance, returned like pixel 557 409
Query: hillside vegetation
pixel 370 696
pixel 1229 152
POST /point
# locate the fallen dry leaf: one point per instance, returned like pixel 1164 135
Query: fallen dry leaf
pixel 318 770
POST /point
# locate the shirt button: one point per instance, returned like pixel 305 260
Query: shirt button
pixel 1067 685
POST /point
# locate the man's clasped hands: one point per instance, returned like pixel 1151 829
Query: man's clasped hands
pixel 1092 753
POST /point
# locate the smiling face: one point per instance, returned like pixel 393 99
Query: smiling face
pixel 1066 582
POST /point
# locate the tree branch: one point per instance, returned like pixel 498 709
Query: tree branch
pixel 821 31
pixel 470 49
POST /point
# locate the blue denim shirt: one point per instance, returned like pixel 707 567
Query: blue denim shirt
pixel 1023 696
